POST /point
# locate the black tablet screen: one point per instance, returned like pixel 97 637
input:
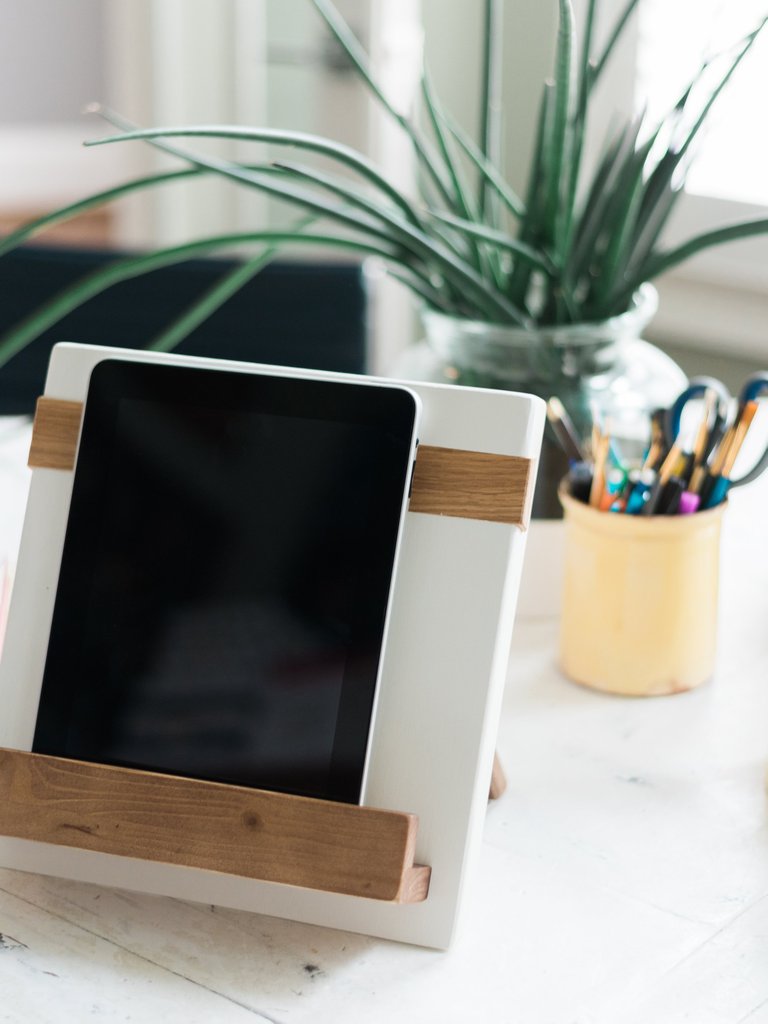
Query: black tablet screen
pixel 225 576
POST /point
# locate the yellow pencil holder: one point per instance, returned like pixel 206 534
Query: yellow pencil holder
pixel 639 613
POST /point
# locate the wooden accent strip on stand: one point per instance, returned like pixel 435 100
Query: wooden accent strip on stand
pixel 55 433
pixel 446 481
pixel 343 848
pixel 472 485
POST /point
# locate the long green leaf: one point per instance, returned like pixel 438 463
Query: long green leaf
pixel 661 178
pixel 462 200
pixel 579 127
pixel 613 172
pixel 259 177
pixel 651 224
pixel 422 245
pixel 745 46
pixel 349 43
pixel 661 194
pixel 532 257
pixel 486 262
pixel 490 98
pixel 421 242
pixel 585 62
pixel 396 228
pixel 33 227
pixel 559 143
pixel 491 304
pixel 614 261
pixel 212 300
pixel 615 35
pixel 449 265
pixel 663 261
pixel 423 290
pixel 301 140
pixel 531 227
pixel 49 314
pixel 217 296
pixel 513 202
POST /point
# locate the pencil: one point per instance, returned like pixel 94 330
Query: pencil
pixel 598 474
pixel 670 463
pixel 658 444
pixel 700 444
pixel 743 424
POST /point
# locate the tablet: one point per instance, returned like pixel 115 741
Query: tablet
pixel 223 596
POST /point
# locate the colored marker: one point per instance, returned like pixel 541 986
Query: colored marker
pixel 615 481
pixel 689 503
pixel 580 481
pixel 671 494
pixel 643 482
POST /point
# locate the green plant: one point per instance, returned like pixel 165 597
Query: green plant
pixel 574 250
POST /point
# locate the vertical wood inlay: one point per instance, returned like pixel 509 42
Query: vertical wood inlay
pixel 472 485
pixel 55 433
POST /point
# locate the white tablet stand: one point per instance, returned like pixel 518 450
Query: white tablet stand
pixel 393 868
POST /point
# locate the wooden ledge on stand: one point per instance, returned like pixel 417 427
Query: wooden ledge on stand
pixel 274 837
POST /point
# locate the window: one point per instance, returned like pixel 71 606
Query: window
pixel 720 298
pixel 732 162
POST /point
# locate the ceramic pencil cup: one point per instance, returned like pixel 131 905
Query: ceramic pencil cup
pixel 640 593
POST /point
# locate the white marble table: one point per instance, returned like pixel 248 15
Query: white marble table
pixel 623 878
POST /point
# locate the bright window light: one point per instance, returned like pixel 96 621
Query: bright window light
pixel 732 158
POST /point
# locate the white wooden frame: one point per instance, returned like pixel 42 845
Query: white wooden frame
pixel 444 669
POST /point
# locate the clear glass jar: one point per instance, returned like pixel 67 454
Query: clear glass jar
pixel 606 364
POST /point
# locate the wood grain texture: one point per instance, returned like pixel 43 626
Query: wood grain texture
pixel 359 851
pixel 471 485
pixel 55 433
pixel 498 784
pixel 446 481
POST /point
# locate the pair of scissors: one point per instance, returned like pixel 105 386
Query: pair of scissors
pixel 699 388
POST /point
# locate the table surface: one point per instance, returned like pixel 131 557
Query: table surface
pixel 623 877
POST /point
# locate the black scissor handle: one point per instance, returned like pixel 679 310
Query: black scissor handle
pixel 752 388
pixel 697 388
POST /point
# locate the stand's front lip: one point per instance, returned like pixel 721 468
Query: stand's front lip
pixel 273 837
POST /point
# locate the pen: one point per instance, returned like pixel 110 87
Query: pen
pixel 671 496
pixel 644 482
pixel 580 481
pixel 655 494
pixel 564 430
pixel 615 481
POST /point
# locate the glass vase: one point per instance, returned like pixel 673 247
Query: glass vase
pixel 604 366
